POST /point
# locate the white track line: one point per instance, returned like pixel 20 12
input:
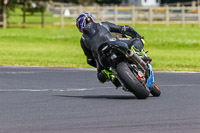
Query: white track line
pixel 181 85
pixel 84 69
pixel 174 72
pixel 52 90
pixel 22 72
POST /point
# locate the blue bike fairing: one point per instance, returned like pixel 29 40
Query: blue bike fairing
pixel 150 80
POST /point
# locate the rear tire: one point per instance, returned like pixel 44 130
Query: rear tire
pixel 131 82
pixel 155 90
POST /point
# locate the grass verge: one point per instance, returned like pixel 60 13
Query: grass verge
pixel 171 48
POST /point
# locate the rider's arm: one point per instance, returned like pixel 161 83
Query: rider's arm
pixel 90 59
pixel 126 30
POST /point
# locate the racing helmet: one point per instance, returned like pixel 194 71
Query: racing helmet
pixel 82 20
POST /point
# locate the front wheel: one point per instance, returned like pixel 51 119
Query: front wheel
pixel 131 82
pixel 155 90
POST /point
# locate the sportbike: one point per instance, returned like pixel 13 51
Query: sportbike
pixel 134 74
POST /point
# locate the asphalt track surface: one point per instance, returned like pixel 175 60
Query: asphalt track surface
pixel 65 100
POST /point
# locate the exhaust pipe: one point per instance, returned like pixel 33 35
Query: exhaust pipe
pixel 136 59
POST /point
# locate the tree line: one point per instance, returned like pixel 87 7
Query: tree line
pixel 25 5
pixel 85 2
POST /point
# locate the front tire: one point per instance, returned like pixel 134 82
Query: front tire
pixel 155 90
pixel 131 82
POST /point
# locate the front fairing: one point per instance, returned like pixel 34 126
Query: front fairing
pixel 150 80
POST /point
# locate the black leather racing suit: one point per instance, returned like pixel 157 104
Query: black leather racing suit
pixel 95 34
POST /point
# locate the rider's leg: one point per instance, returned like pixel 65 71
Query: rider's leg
pixel 137 46
pixel 104 75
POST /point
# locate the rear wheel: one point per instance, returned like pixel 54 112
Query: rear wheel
pixel 131 82
pixel 155 90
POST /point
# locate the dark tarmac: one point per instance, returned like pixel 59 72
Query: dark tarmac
pixel 66 100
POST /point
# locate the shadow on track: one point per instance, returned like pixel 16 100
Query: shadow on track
pixel 116 97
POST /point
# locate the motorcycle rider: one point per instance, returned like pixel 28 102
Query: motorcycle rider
pixel 95 34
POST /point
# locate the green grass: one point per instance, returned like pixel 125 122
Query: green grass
pixel 41 47
pixel 171 48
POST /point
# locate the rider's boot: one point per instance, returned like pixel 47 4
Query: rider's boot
pixel 105 76
pixel 141 54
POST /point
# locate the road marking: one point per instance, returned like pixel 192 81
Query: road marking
pixel 23 72
pixel 185 85
pixel 30 90
pixel 53 90
pixel 174 72
pixel 80 69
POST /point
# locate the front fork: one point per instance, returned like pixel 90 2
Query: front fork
pixel 150 80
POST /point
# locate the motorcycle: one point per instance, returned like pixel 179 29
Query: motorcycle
pixel 134 74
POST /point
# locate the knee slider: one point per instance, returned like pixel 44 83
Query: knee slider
pixel 102 77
